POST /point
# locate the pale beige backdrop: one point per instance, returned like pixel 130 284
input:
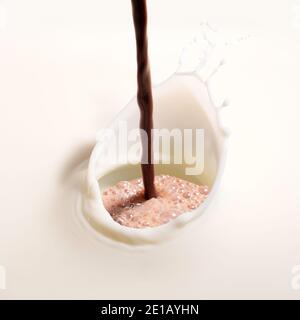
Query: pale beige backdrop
pixel 66 67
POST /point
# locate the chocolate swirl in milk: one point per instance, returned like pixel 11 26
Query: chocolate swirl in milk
pixel 144 94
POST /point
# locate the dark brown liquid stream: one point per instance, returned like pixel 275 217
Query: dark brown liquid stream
pixel 144 94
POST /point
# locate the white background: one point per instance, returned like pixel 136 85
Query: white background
pixel 66 67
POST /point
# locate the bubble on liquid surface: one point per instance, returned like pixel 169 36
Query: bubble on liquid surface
pixel 126 204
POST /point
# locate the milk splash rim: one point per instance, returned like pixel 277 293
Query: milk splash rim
pixel 192 75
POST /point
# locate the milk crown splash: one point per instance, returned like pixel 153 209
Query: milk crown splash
pixel 189 94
